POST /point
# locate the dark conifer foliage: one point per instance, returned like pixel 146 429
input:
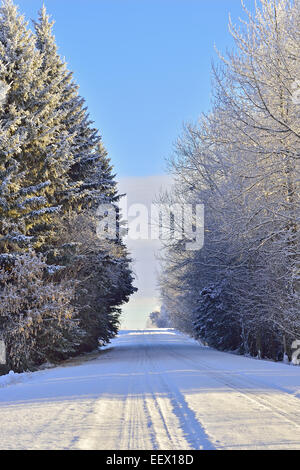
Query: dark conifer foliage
pixel 54 174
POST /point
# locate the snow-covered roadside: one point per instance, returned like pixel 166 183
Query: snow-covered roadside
pixel 12 378
pixel 154 389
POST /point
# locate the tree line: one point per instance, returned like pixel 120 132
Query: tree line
pixel 241 160
pixel 61 287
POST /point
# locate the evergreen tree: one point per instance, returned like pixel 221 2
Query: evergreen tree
pixel 90 179
pixel 104 278
pixel 54 171
pixel 35 156
pixel 103 270
pixel 36 315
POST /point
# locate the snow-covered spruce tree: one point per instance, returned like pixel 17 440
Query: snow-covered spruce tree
pixel 34 165
pixel 215 322
pixel 52 167
pixel 104 278
pixel 90 183
pixel 32 158
pixel 15 70
pixel 36 316
pixel 91 180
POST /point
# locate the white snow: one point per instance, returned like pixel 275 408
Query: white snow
pixel 153 389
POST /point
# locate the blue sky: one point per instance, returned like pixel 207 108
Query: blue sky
pixel 143 67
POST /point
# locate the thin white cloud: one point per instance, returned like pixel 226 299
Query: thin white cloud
pixel 143 190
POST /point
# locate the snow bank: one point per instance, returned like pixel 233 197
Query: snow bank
pixel 13 378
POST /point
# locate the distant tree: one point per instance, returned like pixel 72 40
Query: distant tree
pixel 159 319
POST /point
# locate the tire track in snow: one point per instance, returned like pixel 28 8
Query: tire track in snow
pixel 154 390
pixel 193 431
pixel 163 421
pixel 137 430
pixel 224 379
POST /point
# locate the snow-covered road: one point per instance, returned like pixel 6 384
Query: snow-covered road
pixel 154 389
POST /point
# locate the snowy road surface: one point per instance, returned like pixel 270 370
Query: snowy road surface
pixel 154 389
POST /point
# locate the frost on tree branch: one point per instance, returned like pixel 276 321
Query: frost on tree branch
pixel 4 88
pixel 241 291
